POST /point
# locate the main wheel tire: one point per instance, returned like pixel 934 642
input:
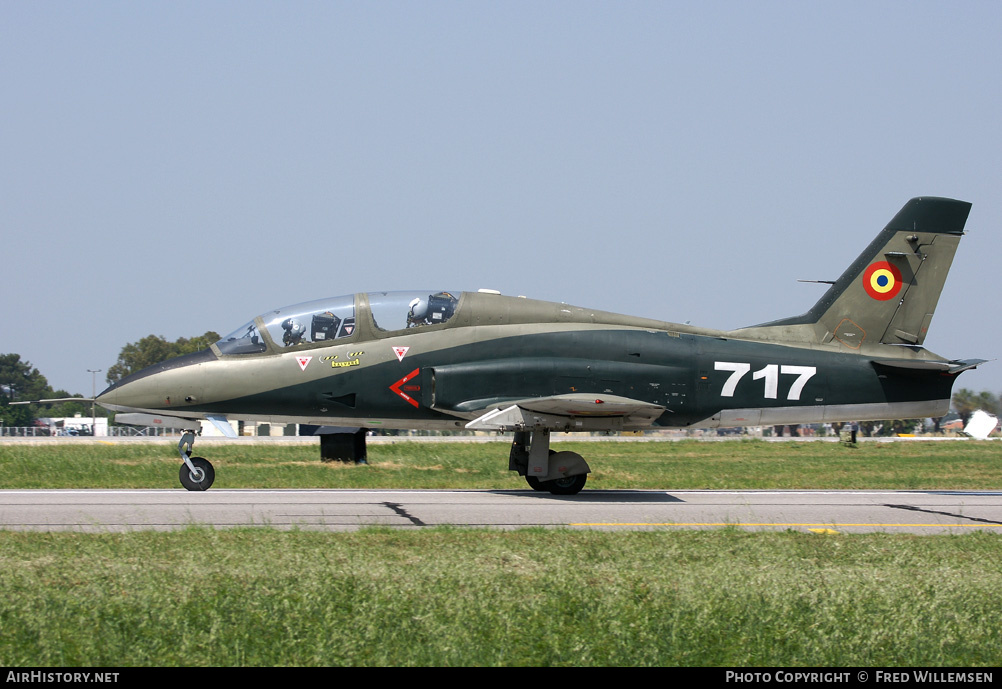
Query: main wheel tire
pixel 201 478
pixel 535 483
pixel 571 485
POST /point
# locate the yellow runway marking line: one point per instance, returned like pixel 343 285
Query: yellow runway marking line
pixel 810 526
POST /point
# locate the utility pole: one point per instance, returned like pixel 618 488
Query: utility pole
pixel 93 406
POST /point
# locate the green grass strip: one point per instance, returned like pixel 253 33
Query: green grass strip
pixel 741 464
pixel 447 597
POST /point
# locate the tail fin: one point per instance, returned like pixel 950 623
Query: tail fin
pixel 889 294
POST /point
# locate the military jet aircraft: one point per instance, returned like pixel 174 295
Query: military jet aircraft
pixel 437 359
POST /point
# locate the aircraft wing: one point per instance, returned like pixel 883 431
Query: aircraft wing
pixel 175 422
pixel 156 420
pixel 571 412
pixel 54 400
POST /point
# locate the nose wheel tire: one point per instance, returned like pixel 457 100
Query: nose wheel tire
pixel 199 479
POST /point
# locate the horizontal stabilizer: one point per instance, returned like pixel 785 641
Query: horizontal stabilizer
pixel 966 364
pixel 951 367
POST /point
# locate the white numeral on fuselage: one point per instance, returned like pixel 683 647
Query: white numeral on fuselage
pixel 770 372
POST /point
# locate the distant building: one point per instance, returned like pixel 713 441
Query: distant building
pixel 76 425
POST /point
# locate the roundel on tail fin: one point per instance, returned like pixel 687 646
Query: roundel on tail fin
pixel 882 281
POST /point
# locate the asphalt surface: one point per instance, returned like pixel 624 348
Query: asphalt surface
pixel 919 512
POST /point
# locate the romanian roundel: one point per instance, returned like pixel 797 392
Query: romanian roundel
pixel 882 281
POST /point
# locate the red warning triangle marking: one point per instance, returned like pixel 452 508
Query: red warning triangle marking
pixel 304 361
pixel 400 352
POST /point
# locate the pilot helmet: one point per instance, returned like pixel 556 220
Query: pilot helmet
pixel 419 309
pixel 293 329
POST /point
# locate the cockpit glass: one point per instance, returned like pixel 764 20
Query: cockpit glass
pixel 316 321
pixel 402 310
pixel 243 340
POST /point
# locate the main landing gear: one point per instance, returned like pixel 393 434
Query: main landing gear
pixel 560 473
pixel 196 472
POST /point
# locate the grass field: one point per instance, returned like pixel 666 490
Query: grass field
pixel 740 464
pixel 429 597
pixel 533 597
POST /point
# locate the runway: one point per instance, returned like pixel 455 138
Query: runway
pixel 918 512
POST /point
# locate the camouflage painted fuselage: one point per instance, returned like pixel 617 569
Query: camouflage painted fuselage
pixel 497 351
pixel 434 360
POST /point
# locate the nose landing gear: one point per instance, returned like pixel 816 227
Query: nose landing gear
pixel 196 472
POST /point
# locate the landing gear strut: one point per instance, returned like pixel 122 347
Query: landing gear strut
pixel 196 472
pixel 560 473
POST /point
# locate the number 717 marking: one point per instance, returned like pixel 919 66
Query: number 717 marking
pixel 770 372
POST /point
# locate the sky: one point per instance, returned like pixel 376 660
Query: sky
pixel 171 168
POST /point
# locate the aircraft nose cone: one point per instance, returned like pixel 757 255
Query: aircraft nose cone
pixel 126 395
pixel 151 388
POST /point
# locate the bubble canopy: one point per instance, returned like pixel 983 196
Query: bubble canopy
pixel 327 320
pixel 402 310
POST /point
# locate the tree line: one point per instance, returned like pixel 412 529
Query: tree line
pixel 20 381
pixel 154 349
pixel 966 402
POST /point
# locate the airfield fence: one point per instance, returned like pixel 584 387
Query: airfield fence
pixel 25 431
pixel 113 431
